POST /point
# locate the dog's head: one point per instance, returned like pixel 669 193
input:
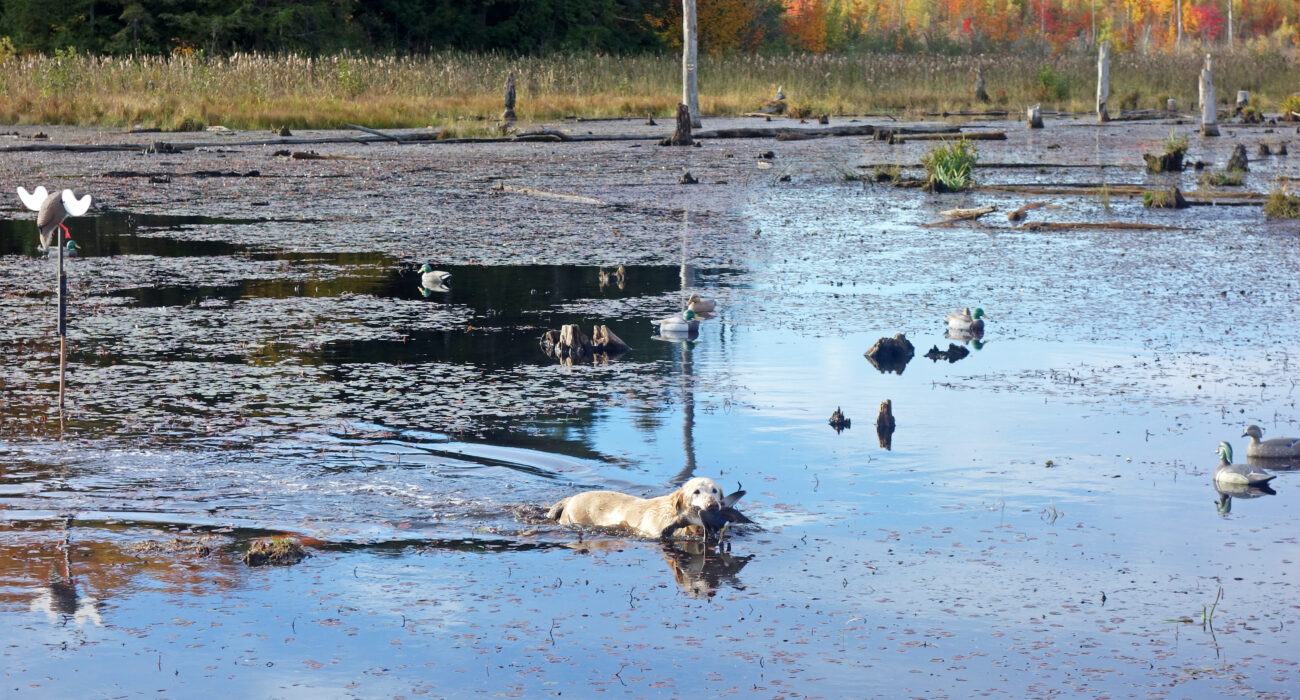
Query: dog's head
pixel 700 492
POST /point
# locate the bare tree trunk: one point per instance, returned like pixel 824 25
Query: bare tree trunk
pixel 690 87
pixel 508 116
pixel 1208 115
pixel 1036 117
pixel 1103 81
pixel 1229 25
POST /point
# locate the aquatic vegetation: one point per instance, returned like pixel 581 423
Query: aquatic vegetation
pixel 949 167
pixel 1281 205
pixel 1221 178
pixel 280 551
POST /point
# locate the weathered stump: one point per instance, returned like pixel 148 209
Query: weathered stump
pixel 839 421
pixel 687 179
pixel 891 354
pixel 885 424
pixel 1036 117
pixel 682 135
pixel 980 94
pixel 1243 99
pixel 508 116
pixel 1162 199
pixel 1209 125
pixel 570 344
pixel 1237 161
pixel 1171 105
pixel 1164 163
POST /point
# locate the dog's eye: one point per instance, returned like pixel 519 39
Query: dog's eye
pixel 697 491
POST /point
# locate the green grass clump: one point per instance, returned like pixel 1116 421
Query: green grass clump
pixel 1164 199
pixel 1175 144
pixel 950 166
pixel 886 173
pixel 1221 178
pixel 1281 205
pixel 274 550
pixel 1289 105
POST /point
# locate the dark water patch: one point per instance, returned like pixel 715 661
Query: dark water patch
pixel 119 233
pixel 315 275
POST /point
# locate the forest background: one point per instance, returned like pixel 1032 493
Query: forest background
pixel 184 64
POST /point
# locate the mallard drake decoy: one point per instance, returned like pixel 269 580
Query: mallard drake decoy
pixel 1278 448
pixel 432 279
pixel 685 322
pixel 700 305
pixel 1229 473
pixel 967 320
pixel 52 208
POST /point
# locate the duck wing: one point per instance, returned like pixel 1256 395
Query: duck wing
pixel 74 206
pixel 34 199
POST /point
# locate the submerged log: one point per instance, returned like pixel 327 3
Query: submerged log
pixel 502 187
pixel 682 135
pixel 969 136
pixel 891 354
pixel 1020 214
pixel 885 424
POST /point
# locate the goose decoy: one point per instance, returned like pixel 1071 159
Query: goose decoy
pixel 679 324
pixel 967 320
pixel 1229 473
pixel 52 208
pixel 700 305
pixel 433 280
pixel 1276 448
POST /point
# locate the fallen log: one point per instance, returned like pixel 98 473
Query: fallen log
pixel 312 155
pixel 956 215
pixel 502 187
pixel 969 136
pixel 376 132
pixel 1104 225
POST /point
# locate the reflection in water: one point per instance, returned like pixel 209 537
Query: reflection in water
pixel 975 340
pixel 59 599
pixel 700 569
pixel 1274 464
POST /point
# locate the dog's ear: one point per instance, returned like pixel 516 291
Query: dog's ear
pixel 678 501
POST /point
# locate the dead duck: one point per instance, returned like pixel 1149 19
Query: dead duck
pixel 1275 448
pixel 967 320
pixel 1238 474
pixel 712 522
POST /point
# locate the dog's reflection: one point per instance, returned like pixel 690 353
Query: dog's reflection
pixel 700 568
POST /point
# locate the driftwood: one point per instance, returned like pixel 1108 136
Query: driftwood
pixel 956 215
pixel 969 136
pixel 682 134
pixel 1106 225
pixel 891 354
pixel 885 424
pixel 502 187
pixel 1019 214
pixel 312 155
pixel 376 132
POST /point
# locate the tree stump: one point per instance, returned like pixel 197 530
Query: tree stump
pixel 980 94
pixel 1171 105
pixel 891 354
pixel 1036 117
pixel 839 421
pixel 1237 161
pixel 1209 127
pixel 603 340
pixel 508 116
pixel 885 424
pixel 682 135
pixel 570 344
pixel 1103 81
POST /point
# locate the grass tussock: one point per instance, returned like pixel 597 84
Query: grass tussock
pixel 1281 205
pixel 1221 178
pixel 274 550
pixel 258 91
pixel 950 166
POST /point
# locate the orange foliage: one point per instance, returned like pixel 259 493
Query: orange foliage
pixel 724 25
pixel 805 23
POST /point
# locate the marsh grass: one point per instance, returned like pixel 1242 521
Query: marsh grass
pixel 1281 205
pixel 274 550
pixel 258 91
pixel 1221 178
pixel 949 166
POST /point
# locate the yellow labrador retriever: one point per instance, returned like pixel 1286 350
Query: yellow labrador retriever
pixel 647 517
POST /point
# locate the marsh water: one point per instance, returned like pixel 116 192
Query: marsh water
pixel 260 358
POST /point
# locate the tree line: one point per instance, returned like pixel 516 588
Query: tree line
pixel 628 26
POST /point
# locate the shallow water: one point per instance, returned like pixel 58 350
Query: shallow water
pixel 1045 521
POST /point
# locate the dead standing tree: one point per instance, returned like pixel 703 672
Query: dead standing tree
pixel 508 116
pixel 682 134
pixel 690 88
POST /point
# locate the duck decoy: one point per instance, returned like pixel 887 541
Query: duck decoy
pixel 967 320
pixel 679 324
pixel 700 305
pixel 1275 448
pixel 52 208
pixel 1229 473
pixel 433 280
